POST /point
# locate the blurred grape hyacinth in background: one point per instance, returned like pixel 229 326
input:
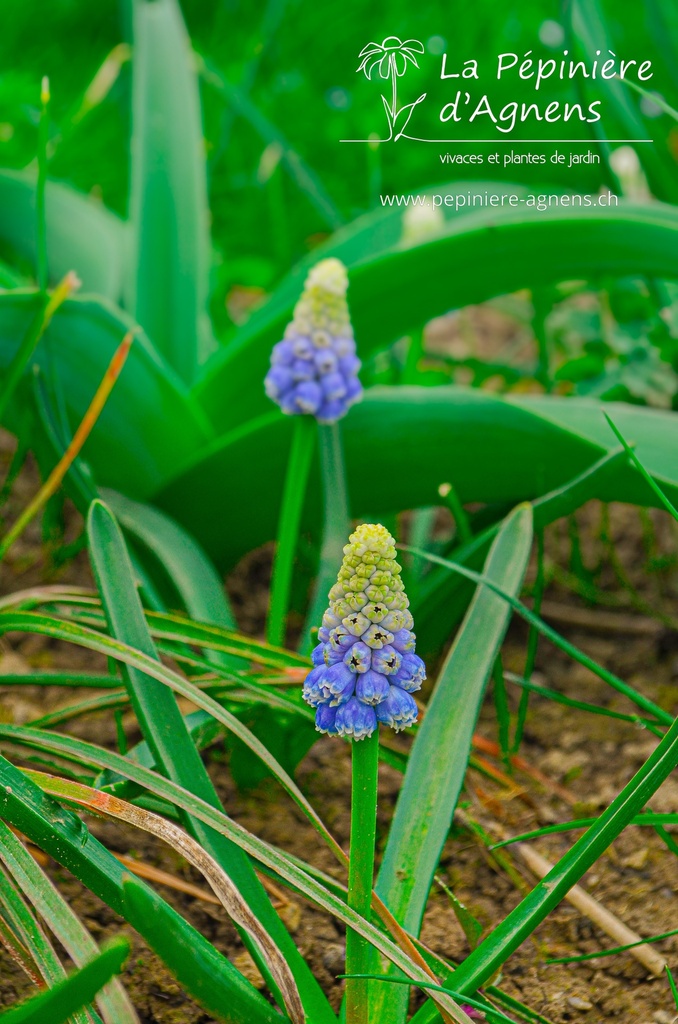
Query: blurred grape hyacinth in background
pixel 365 666
pixel 314 369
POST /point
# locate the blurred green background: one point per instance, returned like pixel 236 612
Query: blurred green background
pixel 279 90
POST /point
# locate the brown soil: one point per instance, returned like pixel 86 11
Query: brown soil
pixel 591 757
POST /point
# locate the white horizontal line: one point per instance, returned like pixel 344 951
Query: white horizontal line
pixel 516 142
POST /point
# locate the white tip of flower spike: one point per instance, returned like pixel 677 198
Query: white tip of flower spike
pixel 330 276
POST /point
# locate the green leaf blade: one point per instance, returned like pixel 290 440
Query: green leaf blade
pixel 57 1004
pixel 169 210
pixel 174 752
pixel 439 756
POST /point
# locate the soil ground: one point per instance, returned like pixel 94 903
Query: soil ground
pixel 630 631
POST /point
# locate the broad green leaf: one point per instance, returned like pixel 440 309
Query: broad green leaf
pixel 113 1001
pixel 174 752
pixel 439 757
pixel 476 257
pixel 491 449
pixel 176 948
pixel 65 998
pixel 148 424
pixel 82 235
pixel 168 205
pixel 368 237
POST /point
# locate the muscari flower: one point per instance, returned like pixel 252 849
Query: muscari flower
pixel 365 668
pixel 314 369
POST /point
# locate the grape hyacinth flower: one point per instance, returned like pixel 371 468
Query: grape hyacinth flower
pixel 314 369
pixel 365 668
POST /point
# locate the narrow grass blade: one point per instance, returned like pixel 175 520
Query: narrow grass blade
pixel 102 702
pixel 641 468
pixel 482 963
pixel 64 836
pixel 181 629
pixel 28 809
pixel 663 26
pixel 113 1001
pixel 51 485
pixel 41 225
pixel 191 572
pixel 60 1002
pixel 299 171
pixel 438 760
pixel 228 894
pixel 613 951
pixel 174 752
pixel 43 965
pixel 653 97
pixel 642 702
pixel 49 441
pixel 39 325
pixel 649 818
pixel 581 705
pixel 471 926
pixel 65 679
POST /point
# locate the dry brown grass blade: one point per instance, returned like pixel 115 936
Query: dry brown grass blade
pixel 136 867
pixel 513 789
pixel 53 481
pixel 48 593
pixel 152 874
pixel 107 806
pixel 597 620
pixel 492 748
pixel 19 954
pixel 597 913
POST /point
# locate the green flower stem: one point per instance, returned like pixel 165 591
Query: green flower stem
pixel 336 523
pixel 361 871
pixel 482 963
pixel 298 467
pixel 532 644
pixel 43 143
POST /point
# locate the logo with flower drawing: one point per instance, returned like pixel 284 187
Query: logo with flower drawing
pixel 391 59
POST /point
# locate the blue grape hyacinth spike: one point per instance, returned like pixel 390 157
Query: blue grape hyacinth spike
pixel 314 369
pixel 365 668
